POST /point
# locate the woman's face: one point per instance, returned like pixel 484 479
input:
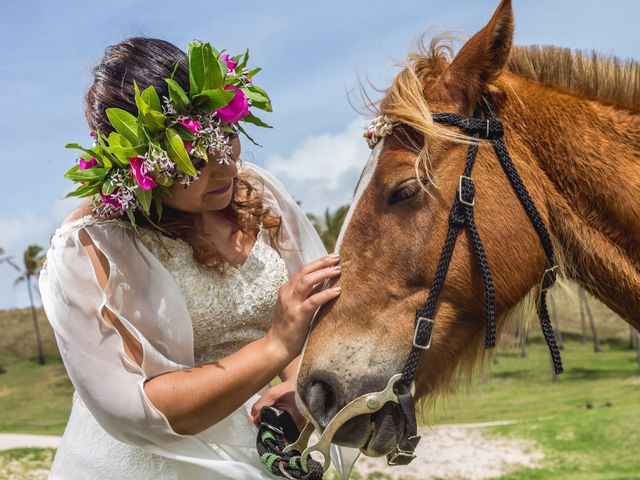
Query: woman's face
pixel 212 190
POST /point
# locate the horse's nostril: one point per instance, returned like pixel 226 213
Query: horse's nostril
pixel 322 401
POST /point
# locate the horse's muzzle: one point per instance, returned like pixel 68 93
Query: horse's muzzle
pixel 374 433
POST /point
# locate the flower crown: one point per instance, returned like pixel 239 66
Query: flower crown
pixel 129 170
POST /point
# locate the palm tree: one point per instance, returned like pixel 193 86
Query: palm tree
pixel 585 308
pixel 33 260
pixel 632 338
pixel 2 259
pixel 556 322
pixel 329 227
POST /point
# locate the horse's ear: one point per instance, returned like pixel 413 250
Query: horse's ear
pixel 483 57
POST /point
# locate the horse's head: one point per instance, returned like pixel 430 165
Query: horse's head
pixel 395 234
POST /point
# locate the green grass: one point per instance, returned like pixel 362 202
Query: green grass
pixel 33 398
pixel 602 442
pixel 587 445
pixel 521 388
pixel 26 463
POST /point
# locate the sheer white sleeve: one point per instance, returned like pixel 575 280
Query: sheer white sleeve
pixel 145 298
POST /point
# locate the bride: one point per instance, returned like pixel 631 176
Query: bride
pixel 188 279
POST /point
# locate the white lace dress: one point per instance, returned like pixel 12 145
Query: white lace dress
pixel 182 315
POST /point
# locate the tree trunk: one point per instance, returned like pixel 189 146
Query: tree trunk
pixel 555 322
pixel 35 323
pixel 522 337
pixel 594 332
pixel 583 320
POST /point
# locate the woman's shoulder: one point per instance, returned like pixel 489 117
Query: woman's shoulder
pixel 82 217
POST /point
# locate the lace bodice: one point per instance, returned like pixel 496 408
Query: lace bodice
pixel 230 309
pixel 227 310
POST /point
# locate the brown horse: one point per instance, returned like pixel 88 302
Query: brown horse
pixel 572 127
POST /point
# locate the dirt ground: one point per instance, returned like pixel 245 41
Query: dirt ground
pixel 457 452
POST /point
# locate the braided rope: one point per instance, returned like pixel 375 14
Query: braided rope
pixel 489 292
pixel 489 128
pixel 425 329
pixel 270 445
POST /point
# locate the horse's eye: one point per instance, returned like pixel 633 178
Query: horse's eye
pixel 405 190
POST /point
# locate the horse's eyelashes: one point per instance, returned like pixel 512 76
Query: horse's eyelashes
pixel 404 191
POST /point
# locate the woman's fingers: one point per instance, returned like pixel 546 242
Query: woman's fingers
pixel 312 303
pixel 324 262
pixel 306 284
pixel 298 299
pixel 281 396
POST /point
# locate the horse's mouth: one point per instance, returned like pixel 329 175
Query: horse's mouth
pixel 376 434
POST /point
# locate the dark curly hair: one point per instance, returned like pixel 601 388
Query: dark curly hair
pixel 149 61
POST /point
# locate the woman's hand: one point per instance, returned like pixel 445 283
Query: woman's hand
pixel 298 300
pixel 282 397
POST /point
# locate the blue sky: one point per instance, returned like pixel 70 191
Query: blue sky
pixel 312 54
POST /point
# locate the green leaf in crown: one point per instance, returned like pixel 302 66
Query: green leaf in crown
pixel 130 169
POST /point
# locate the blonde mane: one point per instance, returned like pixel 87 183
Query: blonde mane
pixel 606 79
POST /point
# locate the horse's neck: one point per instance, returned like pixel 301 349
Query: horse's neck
pixel 590 156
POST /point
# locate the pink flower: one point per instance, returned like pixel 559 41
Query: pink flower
pixel 84 164
pixel 145 181
pixel 236 109
pixel 230 63
pixel 111 199
pixel 188 145
pixel 93 134
pixel 189 123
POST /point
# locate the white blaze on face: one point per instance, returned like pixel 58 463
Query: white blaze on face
pixel 365 179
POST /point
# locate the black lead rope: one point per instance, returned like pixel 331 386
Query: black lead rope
pixel 461 215
pixel 277 430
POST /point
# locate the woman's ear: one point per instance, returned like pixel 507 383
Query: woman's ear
pixel 481 60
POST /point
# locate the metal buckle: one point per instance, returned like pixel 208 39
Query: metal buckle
pixel 551 274
pixel 487 128
pixel 462 200
pixel 415 333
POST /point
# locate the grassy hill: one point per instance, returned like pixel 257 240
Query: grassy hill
pixel 33 398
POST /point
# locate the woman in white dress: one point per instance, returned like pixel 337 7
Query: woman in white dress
pixel 171 335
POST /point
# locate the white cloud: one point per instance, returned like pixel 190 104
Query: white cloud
pixel 322 171
pixel 18 232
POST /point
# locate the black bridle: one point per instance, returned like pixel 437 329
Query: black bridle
pixel 288 461
pixel 461 215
